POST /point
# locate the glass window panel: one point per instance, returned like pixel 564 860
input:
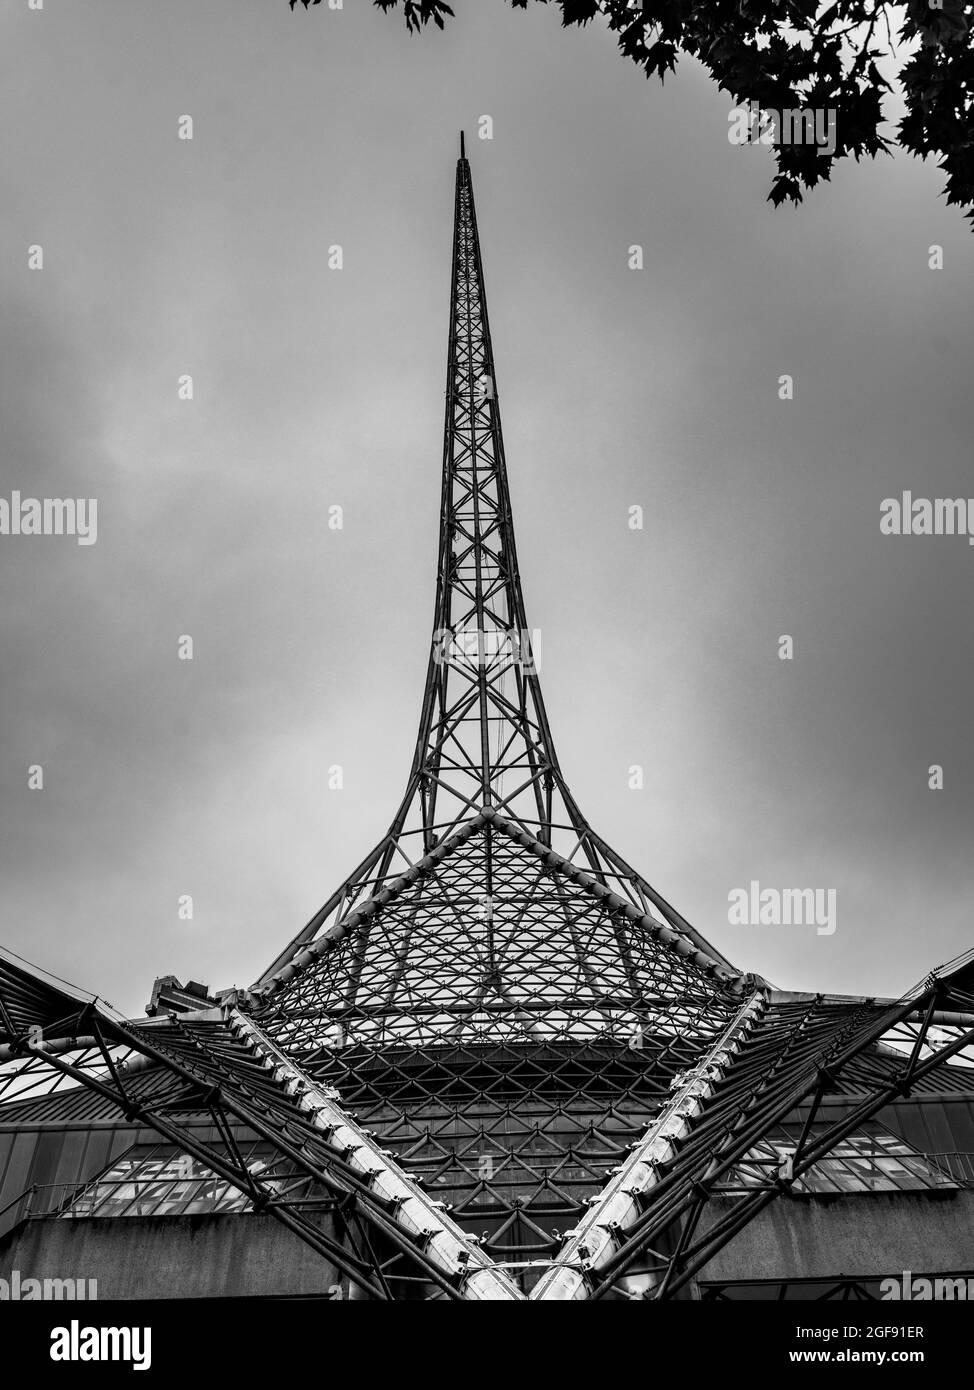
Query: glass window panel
pixel 872 1160
pixel 158 1180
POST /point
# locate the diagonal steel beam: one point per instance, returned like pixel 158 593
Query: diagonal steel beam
pixel 455 1252
pixel 619 1205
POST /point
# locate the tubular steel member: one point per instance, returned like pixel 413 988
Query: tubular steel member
pixel 232 1072
pixel 623 1199
pixel 423 1219
pixel 785 1061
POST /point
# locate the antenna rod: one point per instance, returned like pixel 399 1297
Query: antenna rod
pixel 463 152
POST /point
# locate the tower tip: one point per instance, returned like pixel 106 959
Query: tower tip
pixel 463 152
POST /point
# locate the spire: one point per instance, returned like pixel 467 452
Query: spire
pixel 484 746
pixel 484 738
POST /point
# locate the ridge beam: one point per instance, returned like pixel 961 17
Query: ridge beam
pixel 414 1211
pixel 593 1241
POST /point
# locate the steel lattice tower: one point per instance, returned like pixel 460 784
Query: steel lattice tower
pixel 488 985
pixel 496 1064
pixel 484 746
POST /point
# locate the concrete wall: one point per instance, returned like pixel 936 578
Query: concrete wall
pixel 865 1234
pixel 170 1256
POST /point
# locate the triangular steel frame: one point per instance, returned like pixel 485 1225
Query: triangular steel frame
pixel 495 973
pixel 780 1054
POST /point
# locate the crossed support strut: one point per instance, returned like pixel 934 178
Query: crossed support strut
pixel 329 1182
pixel 333 1186
pixel 788 1053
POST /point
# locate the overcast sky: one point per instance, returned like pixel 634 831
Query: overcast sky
pixel 314 387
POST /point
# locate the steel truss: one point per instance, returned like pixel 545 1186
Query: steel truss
pixel 792 1058
pixel 348 1198
pixel 484 739
pixel 494 1006
pixel 386 1230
